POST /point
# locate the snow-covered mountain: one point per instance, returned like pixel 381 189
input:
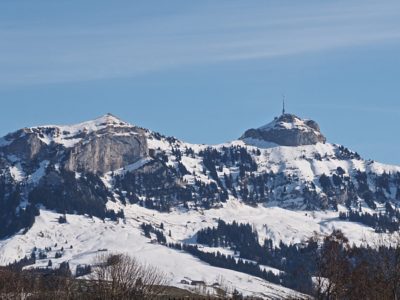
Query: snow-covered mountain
pixel 108 177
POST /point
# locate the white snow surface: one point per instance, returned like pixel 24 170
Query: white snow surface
pixel 299 162
pixel 88 236
pixel 108 177
pixel 297 123
pixel 39 173
pixel 17 173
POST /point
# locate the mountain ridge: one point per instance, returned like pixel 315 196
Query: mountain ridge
pixel 120 176
pixel 107 144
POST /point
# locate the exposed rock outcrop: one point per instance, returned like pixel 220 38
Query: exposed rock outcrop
pixel 25 144
pixel 287 130
pixel 99 146
pixel 107 150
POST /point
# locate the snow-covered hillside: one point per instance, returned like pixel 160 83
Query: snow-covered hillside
pixel 91 236
pixel 109 177
pixel 82 238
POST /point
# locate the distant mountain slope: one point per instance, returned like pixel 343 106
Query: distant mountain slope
pixel 284 178
pixel 79 168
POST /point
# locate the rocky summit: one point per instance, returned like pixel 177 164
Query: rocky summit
pixel 112 146
pixel 98 146
pixel 287 130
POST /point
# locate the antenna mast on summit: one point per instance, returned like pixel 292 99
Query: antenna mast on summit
pixel 283 105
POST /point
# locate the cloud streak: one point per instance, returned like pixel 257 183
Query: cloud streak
pixel 65 51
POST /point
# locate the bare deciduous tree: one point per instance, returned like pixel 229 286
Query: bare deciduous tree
pixel 370 272
pixel 119 276
pixel 332 267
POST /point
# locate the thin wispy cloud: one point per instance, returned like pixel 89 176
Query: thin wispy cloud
pixel 371 109
pixel 47 52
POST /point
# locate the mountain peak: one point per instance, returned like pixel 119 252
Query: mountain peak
pixel 97 146
pixel 287 130
pixel 101 122
pixel 105 121
pixel 108 119
pixel 291 121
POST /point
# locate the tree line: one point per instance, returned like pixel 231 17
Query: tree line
pixel 112 276
pixel 327 268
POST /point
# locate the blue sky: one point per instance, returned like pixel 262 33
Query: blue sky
pixel 205 71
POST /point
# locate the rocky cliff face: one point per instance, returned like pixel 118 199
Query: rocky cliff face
pixel 107 150
pixel 98 146
pixel 25 144
pixel 287 130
